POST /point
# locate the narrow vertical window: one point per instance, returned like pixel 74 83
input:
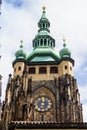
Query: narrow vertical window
pixel 44 41
pixel 66 67
pixel 19 68
pixel 41 42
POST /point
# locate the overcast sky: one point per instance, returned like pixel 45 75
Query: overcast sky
pixel 68 19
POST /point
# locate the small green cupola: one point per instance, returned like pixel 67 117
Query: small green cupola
pixel 43 38
pixel 65 52
pixel 20 55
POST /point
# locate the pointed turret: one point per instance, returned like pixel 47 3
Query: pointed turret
pixel 19 61
pixel 20 54
pixel 66 62
pixel 43 44
pixel 65 52
pixel 44 23
pixel 43 37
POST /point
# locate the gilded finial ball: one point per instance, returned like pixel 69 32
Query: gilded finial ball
pixel 43 7
pixel 64 40
pixel 21 41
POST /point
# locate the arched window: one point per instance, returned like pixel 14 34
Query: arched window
pixel 41 42
pixel 19 68
pixel 43 25
pixel 44 41
pixel 66 67
pixel 42 70
pixel 51 44
pixel 53 69
pixel 31 70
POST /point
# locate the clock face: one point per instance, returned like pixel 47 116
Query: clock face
pixel 43 104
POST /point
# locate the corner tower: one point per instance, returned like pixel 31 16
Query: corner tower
pixel 66 62
pixel 45 90
pixel 19 62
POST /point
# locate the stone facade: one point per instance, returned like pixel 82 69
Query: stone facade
pixel 42 87
pixel 63 92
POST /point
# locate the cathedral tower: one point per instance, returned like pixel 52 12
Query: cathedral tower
pixel 43 87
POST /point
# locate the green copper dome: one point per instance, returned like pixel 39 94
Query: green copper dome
pixel 43 54
pixel 43 47
pixel 20 53
pixel 65 52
